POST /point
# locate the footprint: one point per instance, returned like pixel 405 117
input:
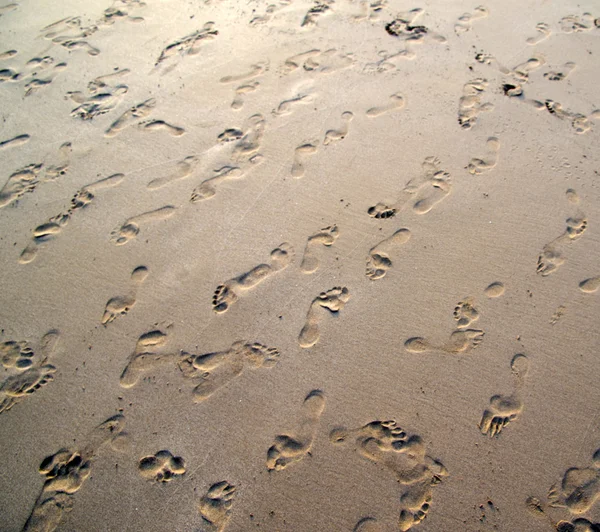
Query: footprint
pixel 161 125
pixel 161 467
pixel 579 489
pixel 183 169
pixel 19 183
pixel 240 92
pixel 216 370
pixel 215 506
pixel 101 83
pixel 367 524
pixel 300 153
pixel 521 72
pixel 334 135
pixel 147 356
pixel 255 70
pixel 65 472
pixel 54 226
pixel 424 192
pixel 378 261
pixel 494 290
pixel 328 62
pixel 461 341
pixel 293 447
pixel 552 256
pixel 326 237
pixel 544 32
pixel 332 301
pixel 97 104
pixel 397 102
pixel 470 106
pixel 247 147
pixel 57 170
pixel 506 408
pixel 564 73
pixel 465 313
pixel 591 285
pixel 7 8
pixel 29 372
pixel 576 24
pixel 228 293
pixel 263 19
pixel 131 227
pixel 141 110
pixel 206 189
pixel 296 61
pixel 387 444
pixel 121 305
pixel 465 21
pixel 403 27
pixel 317 10
pixel 35 84
pixel 19 140
pixel 188 45
pixel 478 166
pixel 579 122
pixel 286 107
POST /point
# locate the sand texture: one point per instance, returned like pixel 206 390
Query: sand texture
pixel 304 266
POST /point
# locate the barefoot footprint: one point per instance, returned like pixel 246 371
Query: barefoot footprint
pixel 161 467
pixel 215 507
pixel 462 340
pixel 424 192
pixel 579 489
pixel 544 32
pixel 216 370
pixel 465 21
pixel 147 356
pixel 331 301
pixel 397 102
pixel 206 189
pixel 326 237
pixel 131 227
pixel 228 293
pixel 334 135
pixel 29 372
pixel 120 305
pixel 141 110
pixel 300 153
pixel 469 105
pixel 552 256
pixel 293 447
pixel 161 125
pixel 183 169
pixel 477 166
pixel 66 471
pixel 54 226
pixel 506 408
pixel 387 444
pixel 378 261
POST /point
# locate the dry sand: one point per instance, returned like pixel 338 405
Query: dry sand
pixel 299 266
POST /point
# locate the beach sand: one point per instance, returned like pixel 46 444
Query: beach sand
pixel 324 266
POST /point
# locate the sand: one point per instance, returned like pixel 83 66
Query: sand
pixel 299 266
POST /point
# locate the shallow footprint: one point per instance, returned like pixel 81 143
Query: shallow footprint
pixel 506 408
pixel 120 305
pixel 161 125
pixel 544 32
pixel 292 447
pixel 147 356
pixel 396 104
pixel 161 466
pixel 131 227
pixel 552 256
pixel 300 153
pixel 183 169
pixel 331 301
pixel 477 166
pixel 326 237
pixel 228 293
pixel 378 261
pixel 215 506
pixel 217 369
pixel 591 285
pixel 334 135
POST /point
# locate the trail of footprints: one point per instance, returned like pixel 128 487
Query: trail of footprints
pixel 382 442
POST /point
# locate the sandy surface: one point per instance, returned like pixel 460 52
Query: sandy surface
pixel 294 266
